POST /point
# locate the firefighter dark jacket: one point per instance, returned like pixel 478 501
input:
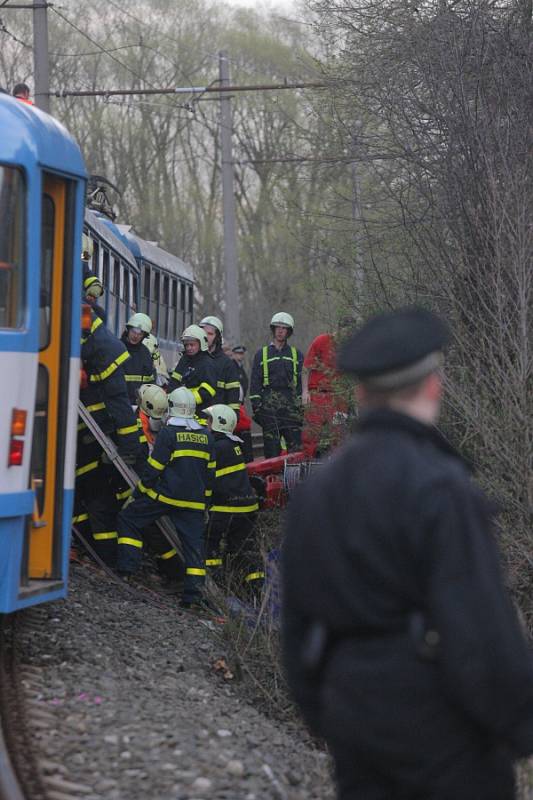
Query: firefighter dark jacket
pixel 139 368
pixel 228 383
pixel 197 373
pixel 395 611
pixel 181 469
pixel 232 493
pixel 276 370
pixel 106 397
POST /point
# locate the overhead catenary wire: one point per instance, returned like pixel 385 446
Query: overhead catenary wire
pixel 266 87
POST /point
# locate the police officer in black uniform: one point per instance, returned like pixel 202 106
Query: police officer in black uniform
pixel 401 644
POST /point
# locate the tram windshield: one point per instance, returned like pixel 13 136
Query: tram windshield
pixel 12 251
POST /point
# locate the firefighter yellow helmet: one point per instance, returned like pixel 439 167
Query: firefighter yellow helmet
pixel 195 332
pixel 282 318
pixel 223 418
pixel 153 400
pixel 181 403
pixel 87 248
pixel 141 321
pixel 214 322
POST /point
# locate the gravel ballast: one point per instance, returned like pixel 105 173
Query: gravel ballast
pixel 141 712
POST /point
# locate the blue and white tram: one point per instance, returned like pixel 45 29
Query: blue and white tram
pixel 166 291
pixel 140 276
pixel 117 269
pixel 42 187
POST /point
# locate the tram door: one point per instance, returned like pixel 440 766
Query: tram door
pixel 49 434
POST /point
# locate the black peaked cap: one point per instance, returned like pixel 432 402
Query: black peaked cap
pixel 392 341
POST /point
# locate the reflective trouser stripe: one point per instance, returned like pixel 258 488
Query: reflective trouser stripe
pixel 132 542
pixel 80 518
pixel 87 468
pixel 123 495
pixel 194 571
pixel 168 554
pixel 213 562
pixel 105 535
pixel 155 464
pixel 235 509
pixel 255 576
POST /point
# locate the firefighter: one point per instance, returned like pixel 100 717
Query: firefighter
pixel 276 388
pixel 401 643
pixel 196 370
pixel 92 286
pixel 228 383
pixel 177 482
pixel 139 368
pixel 152 401
pixel 104 394
pixel 233 510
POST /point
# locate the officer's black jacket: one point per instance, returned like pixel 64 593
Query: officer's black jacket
pixel 181 469
pixel 232 493
pixel 243 378
pixel 197 373
pixel 103 357
pixel 278 370
pixel 391 526
pixel 139 368
pixel 228 383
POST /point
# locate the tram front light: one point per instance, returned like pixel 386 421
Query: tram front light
pixel 18 422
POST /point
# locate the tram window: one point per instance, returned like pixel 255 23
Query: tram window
pixel 172 333
pixel 190 303
pixel 146 292
pixel 182 296
pixel 96 261
pixel 155 302
pixel 163 314
pixel 134 294
pixel 105 268
pixel 12 250
pixel 126 292
pixel 47 254
pixel 116 277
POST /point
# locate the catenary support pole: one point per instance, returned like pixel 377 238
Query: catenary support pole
pixel 233 327
pixel 40 56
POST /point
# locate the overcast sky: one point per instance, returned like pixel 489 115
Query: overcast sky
pixel 285 4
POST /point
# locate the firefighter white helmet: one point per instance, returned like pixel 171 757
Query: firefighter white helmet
pixel 195 332
pixel 223 418
pixel 153 400
pixel 181 403
pixel 141 321
pixel 282 318
pixel 214 322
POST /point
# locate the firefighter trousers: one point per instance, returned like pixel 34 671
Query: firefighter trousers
pixel 131 524
pixel 232 552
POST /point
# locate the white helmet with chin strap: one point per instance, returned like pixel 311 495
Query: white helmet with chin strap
pixel 153 400
pixel 195 332
pixel 223 418
pixel 181 403
pixel 282 318
pixel 141 321
pixel 215 322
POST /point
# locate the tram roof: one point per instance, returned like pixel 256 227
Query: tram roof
pixel 30 137
pixel 151 252
pixel 108 232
